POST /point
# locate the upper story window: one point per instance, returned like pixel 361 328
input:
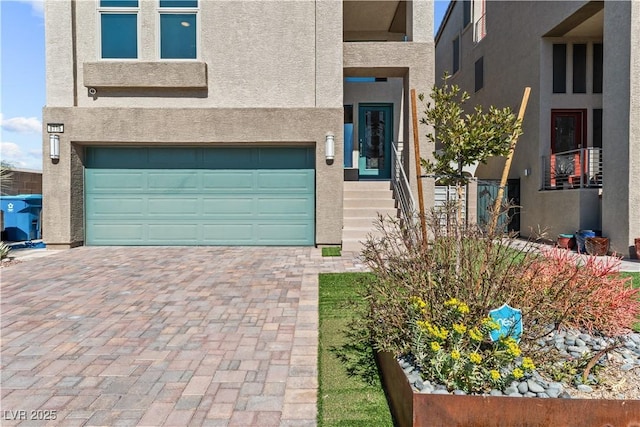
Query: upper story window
pixel 118 29
pixel 456 55
pixel 178 29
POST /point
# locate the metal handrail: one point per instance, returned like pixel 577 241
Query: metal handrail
pixel 401 188
pixel 581 168
pixel 480 28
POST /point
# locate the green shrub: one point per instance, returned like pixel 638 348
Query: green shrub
pixel 4 250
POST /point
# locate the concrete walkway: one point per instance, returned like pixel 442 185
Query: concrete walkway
pixel 110 336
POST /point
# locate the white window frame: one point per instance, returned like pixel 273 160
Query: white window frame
pixel 100 10
pixel 174 11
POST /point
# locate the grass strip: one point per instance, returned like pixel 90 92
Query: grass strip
pixel 635 278
pixel 343 399
pixel 332 251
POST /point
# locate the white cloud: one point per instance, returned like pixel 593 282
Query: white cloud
pixel 12 153
pixel 36 5
pixel 21 124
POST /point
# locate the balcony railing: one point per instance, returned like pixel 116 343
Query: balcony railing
pixel 580 168
pixel 480 29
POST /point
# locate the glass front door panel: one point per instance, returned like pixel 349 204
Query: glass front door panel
pixel 375 141
pixel 567 130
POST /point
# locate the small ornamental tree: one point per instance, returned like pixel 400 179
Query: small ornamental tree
pixel 465 138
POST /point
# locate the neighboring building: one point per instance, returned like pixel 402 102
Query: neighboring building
pixel 201 122
pixel 578 161
pixel 23 181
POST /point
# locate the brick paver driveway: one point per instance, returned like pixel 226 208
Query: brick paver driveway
pixel 163 336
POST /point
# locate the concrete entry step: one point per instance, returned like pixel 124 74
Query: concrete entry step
pixel 363 202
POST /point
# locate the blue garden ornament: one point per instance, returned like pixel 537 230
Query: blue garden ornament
pixel 510 321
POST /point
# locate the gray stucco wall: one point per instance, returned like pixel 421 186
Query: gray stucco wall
pixel 516 54
pixel 621 120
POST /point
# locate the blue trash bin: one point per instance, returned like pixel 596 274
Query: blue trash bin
pixel 22 216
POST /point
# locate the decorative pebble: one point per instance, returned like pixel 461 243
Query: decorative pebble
pixel 584 388
pixel 534 387
pixel 495 392
pixel 523 387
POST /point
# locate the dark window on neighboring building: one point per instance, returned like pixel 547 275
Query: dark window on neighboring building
pixel 559 68
pixel 456 55
pixel 466 13
pixel 579 68
pixel 597 127
pixel 597 68
pixel 479 74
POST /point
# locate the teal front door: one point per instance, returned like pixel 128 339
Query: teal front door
pixel 375 127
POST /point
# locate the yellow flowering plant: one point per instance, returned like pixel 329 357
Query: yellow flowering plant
pixel 457 352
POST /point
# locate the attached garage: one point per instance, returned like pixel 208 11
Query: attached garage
pixel 200 196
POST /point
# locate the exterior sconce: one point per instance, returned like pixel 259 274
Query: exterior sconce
pixel 527 172
pixel 329 148
pixel 54 147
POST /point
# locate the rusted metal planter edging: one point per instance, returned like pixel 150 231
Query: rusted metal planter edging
pixel 435 410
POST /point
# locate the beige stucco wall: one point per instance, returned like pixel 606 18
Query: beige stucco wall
pixel 164 127
pixel 266 73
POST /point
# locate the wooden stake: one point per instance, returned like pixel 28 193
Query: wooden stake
pixel 507 164
pixel 416 152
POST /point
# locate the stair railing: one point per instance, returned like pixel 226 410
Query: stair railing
pixel 401 188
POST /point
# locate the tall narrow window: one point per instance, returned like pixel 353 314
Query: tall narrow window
pixel 466 13
pixel 479 71
pixel 456 55
pixel 597 67
pixel 597 127
pixel 118 29
pixel 178 29
pixel 559 68
pixel 579 68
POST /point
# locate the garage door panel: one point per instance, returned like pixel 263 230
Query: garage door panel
pixel 107 233
pixel 177 206
pixel 173 232
pixel 170 181
pixel 275 206
pixel 228 233
pixel 206 196
pixel 280 181
pixel 228 206
pixel 228 180
pixel 112 180
pixel 296 233
pixel 100 206
pixel 173 158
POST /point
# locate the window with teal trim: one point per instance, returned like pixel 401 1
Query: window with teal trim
pixel 178 29
pixel 119 29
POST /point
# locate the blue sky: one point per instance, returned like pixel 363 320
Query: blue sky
pixel 22 92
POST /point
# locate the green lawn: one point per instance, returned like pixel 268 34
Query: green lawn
pixel 636 284
pixel 344 399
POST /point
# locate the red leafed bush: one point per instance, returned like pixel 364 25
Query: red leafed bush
pixel 580 291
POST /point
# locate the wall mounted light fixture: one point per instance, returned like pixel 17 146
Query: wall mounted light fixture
pixel 54 147
pixel 329 147
pixel 527 171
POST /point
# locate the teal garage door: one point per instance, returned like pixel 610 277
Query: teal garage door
pixel 200 196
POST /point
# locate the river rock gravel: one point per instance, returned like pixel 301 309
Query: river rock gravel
pixel 618 369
